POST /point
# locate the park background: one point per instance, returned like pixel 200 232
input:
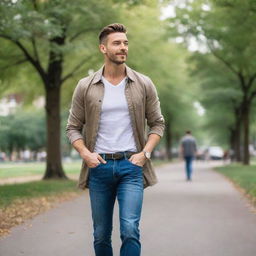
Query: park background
pixel 200 55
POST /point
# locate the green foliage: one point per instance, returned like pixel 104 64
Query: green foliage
pixel 220 95
pixel 151 53
pixel 229 37
pixel 36 23
pixel 22 130
pixel 226 69
pixel 30 30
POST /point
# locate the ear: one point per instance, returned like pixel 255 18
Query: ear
pixel 102 48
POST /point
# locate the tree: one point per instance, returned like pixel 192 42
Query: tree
pixel 49 35
pixel 230 38
pixel 222 119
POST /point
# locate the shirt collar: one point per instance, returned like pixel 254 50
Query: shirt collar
pixel 99 73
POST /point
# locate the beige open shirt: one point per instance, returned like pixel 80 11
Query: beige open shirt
pixel 143 105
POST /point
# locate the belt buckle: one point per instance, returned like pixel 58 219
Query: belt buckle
pixel 119 155
pixel 112 156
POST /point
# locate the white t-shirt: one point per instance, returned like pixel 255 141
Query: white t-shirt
pixel 115 130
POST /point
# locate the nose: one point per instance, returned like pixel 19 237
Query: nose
pixel 123 46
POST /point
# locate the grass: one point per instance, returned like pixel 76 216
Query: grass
pixel 10 192
pixel 10 170
pixel 244 176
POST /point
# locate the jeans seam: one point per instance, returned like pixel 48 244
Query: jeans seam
pixel 113 170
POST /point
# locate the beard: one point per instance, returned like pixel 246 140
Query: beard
pixel 117 59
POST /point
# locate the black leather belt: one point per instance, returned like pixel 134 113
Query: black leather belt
pixel 117 155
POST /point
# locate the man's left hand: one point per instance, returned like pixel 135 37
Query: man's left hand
pixel 138 159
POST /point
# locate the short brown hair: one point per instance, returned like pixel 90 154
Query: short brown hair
pixel 109 29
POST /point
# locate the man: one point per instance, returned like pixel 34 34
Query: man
pixel 106 126
pixel 188 150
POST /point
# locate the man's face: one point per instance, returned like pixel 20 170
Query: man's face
pixel 115 48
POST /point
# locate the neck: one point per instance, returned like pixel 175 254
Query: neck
pixel 112 70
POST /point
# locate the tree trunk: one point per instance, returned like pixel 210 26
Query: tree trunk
pixel 237 139
pixel 236 145
pixel 53 92
pixel 54 167
pixel 232 143
pixel 246 124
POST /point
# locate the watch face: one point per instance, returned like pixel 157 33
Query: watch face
pixel 147 154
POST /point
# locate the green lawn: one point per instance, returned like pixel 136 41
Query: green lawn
pixel 244 176
pixel 10 192
pixel 9 170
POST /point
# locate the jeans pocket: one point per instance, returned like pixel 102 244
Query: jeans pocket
pixel 93 168
pixel 134 164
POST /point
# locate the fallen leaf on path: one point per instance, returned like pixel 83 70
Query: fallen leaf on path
pixel 24 209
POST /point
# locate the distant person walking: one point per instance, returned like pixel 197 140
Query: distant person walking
pixel 112 106
pixel 188 149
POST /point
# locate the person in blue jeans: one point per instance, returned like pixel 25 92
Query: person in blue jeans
pixel 106 125
pixel 188 149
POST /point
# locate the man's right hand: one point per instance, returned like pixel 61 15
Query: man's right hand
pixel 92 159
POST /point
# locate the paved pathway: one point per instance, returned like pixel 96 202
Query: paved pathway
pixel 206 217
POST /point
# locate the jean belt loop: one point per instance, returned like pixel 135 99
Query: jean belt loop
pixel 125 155
pixel 104 156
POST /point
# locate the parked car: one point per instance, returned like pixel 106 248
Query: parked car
pixel 216 153
pixel 252 150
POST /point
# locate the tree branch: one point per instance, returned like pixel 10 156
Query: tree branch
pixel 28 56
pixel 6 37
pixel 25 52
pixel 253 94
pixel 251 80
pixel 75 69
pixel 224 61
pixel 242 81
pixel 35 49
pixel 33 61
pixel 237 73
pixel 15 64
pixel 81 32
pixel 22 48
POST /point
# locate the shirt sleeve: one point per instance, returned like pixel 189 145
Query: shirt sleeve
pixel 76 118
pixel 155 119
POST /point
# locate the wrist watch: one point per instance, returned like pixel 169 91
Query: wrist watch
pixel 147 154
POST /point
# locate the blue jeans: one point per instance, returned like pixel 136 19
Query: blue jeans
pixel 188 161
pixel 122 180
